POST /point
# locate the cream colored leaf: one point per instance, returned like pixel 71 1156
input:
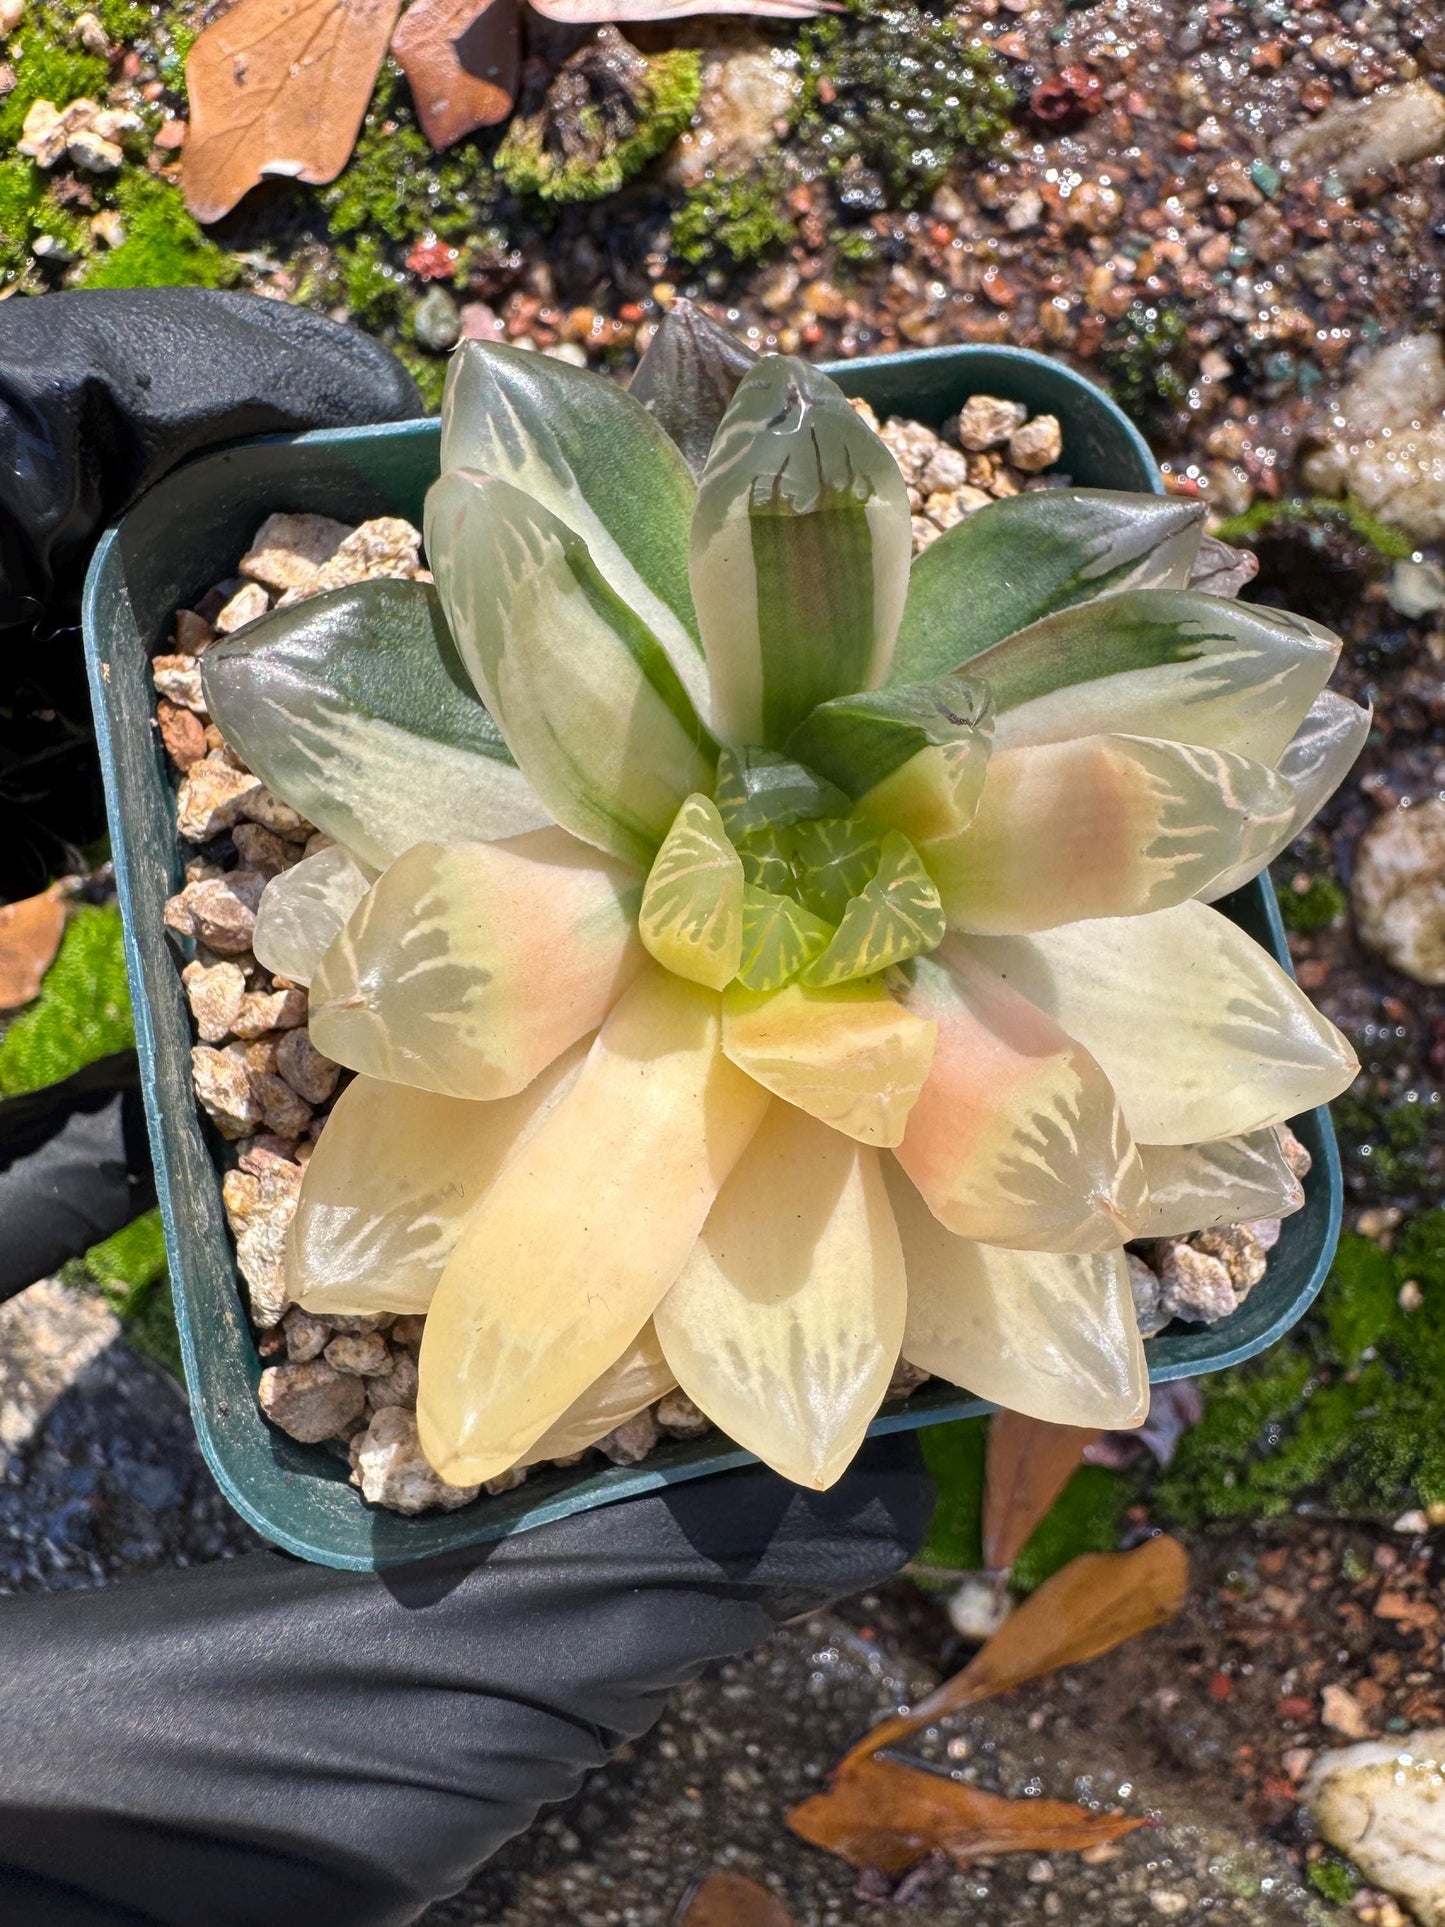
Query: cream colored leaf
pixel 470 966
pixel 302 910
pixel 851 1057
pixel 392 1178
pixel 785 1323
pixel 1016 1137
pixel 1197 1028
pixel 638 1379
pixel 1043 1333
pixel 568 1254
pixel 1194 1187
pixel 1104 826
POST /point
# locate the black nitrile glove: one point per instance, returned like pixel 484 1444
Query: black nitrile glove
pixel 100 395
pixel 267 1744
pixel 262 1741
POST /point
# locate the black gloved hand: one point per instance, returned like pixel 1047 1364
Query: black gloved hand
pixel 266 1742
pixel 101 394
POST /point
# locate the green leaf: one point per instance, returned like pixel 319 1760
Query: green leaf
pixel 355 708
pixel 759 789
pixel 780 938
pixel 692 907
pixel 895 916
pixel 582 689
pixel 1168 663
pixel 1020 560
pixel 917 752
pixel 767 860
pixel 834 860
pixel 687 377
pixel 593 456
pixel 800 546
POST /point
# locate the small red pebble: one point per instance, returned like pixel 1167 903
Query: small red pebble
pixel 997 290
pixel 170 135
pixel 432 260
pixel 1186 142
pixel 1071 94
pixel 1294 1708
pixel 940 234
pixel 1268 57
pixel 630 311
pixel 1221 1687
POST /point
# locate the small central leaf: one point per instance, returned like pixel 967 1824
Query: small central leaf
pixel 895 916
pixel 767 860
pixel 759 789
pixel 835 860
pixel 692 907
pixel 780 938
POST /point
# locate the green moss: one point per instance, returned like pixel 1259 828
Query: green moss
pixel 738 219
pixel 1349 514
pixel 663 107
pixel 429 372
pixel 1385 1140
pixel 1084 1518
pixel 395 186
pixel 374 290
pixel 1144 358
pixel 1335 1878
pixel 82 1012
pixel 129 1269
pixel 163 246
pixel 1315 908
pixel 1349 1406
pixel 892 95
pixel 46 68
pixel 856 246
pixel 176 40
pixel 22 189
pixel 123 20
pixel 954 1455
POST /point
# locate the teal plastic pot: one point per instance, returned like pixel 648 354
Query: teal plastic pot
pixel 186 534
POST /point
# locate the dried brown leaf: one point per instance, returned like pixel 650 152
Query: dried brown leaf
pixel 732 1900
pixel 461 59
pixel 1096 1602
pixel 279 87
pixel 591 13
pixel 1029 1464
pixel 884 1814
pixel 30 933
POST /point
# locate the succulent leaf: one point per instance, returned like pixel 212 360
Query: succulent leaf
pixel 1018 561
pixel 687 376
pixel 834 859
pixel 692 907
pixel 1199 1031
pixel 367 680
pixel 583 691
pixel 591 454
pixel 1186 667
pixel 785 1323
pixel 1194 1187
pixel 391 1179
pixel 780 939
pixel 435 979
pixel 851 1057
pixel 800 547
pixel 1103 826
pixel 760 789
pixel 1318 759
pixel 767 860
pixel 1042 1333
pixel 539 1297
pixel 1016 1138
pixel 914 755
pixel 639 1378
pixel 302 910
pixel 896 915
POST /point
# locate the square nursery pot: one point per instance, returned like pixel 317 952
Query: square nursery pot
pixel 186 534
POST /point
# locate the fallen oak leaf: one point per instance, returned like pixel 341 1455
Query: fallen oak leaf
pixel 279 87
pixel 461 59
pixel 727 1899
pixel 1097 1601
pixel 888 1815
pixel 1029 1464
pixel 30 933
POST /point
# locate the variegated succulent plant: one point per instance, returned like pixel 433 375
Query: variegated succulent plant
pixel 764 959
